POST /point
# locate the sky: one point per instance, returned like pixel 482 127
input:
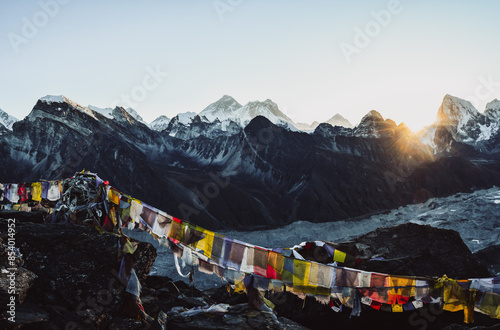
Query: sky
pixel 313 58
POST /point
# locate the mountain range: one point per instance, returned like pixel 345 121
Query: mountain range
pixel 247 167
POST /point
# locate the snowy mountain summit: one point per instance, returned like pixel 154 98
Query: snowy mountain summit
pixel 160 123
pixel 458 120
pixel 463 120
pixel 58 103
pixel 228 109
pixel 492 110
pixel 338 120
pixel 7 120
pixel 222 109
pixel 61 102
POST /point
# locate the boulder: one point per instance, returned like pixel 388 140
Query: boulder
pixel 415 250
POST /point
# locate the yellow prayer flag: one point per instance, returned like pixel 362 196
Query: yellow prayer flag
pixel 397 308
pixel 339 256
pixel 114 196
pixel 36 191
pixel 206 243
pixel 401 286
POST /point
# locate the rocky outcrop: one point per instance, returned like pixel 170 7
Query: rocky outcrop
pixel 69 274
pixel 415 250
pixel 407 249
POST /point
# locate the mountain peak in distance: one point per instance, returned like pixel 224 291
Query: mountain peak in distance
pixel 338 120
pixel 221 109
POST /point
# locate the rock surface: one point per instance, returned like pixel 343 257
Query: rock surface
pixel 70 271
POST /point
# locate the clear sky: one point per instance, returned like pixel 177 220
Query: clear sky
pixel 313 58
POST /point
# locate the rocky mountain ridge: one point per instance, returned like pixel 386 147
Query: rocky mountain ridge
pixel 220 175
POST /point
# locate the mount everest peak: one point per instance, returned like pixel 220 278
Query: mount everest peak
pixel 338 120
pixel 222 109
pixel 228 109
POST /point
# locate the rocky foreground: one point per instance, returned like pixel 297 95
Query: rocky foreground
pixel 67 278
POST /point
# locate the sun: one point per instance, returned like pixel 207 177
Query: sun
pixel 417 124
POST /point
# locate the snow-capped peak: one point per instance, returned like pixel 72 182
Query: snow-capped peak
pixel 49 99
pixel 493 110
pixel 221 109
pixel 267 109
pixel 7 120
pixel 110 113
pixel 338 120
pixel 53 99
pixel 463 121
pixel 228 109
pixel 456 111
pixel 160 123
pixel 185 118
pixel 257 108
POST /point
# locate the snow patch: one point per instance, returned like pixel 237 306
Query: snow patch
pixel 53 99
pixel 492 109
pixel 186 118
pixel 49 99
pixel 7 120
pixel 106 112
